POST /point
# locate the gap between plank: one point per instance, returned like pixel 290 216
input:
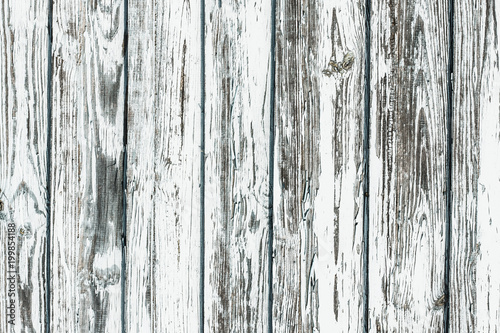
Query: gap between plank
pixel 449 146
pixel 48 165
pixel 366 158
pixel 271 169
pixel 124 185
pixel 202 170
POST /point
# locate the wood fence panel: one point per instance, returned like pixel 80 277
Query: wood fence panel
pixel 87 166
pixel 238 59
pixel 163 167
pixel 475 241
pixel 139 91
pixel 318 190
pixel 408 145
pixel 23 152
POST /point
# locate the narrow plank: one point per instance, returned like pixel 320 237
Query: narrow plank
pixel 87 159
pixel 318 192
pixel 163 167
pixel 238 59
pixel 475 241
pixel 23 150
pixel 408 141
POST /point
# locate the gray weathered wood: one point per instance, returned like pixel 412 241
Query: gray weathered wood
pixel 238 58
pixel 408 139
pixel 163 167
pixel 87 166
pixel 475 242
pixel 318 199
pixel 318 166
pixel 23 150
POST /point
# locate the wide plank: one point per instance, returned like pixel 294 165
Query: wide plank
pixel 318 181
pixel 163 167
pixel 87 166
pixel 237 60
pixel 23 152
pixel 408 142
pixel 475 232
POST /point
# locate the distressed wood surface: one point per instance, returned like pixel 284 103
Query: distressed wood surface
pixel 87 166
pixel 238 59
pixel 318 241
pixel 318 200
pixel 409 48
pixel 163 167
pixel 475 241
pixel 23 150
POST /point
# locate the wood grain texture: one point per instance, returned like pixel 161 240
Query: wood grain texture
pixel 87 166
pixel 163 173
pixel 318 199
pixel 408 140
pixel 23 150
pixel 475 242
pixel 238 55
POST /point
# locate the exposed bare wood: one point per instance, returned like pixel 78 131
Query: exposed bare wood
pixel 318 199
pixel 238 55
pixel 163 168
pixel 23 149
pixel 408 140
pixel 475 242
pixel 87 159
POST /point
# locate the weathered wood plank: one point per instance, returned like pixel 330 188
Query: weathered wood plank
pixel 475 241
pixel 87 165
pixel 238 59
pixel 409 43
pixel 318 192
pixel 163 168
pixel 23 150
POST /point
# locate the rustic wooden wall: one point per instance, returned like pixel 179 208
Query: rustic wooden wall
pixel 249 166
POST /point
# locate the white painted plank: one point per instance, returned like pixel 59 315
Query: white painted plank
pixel 409 43
pixel 163 167
pixel 238 59
pixel 23 149
pixel 87 166
pixel 475 242
pixel 318 199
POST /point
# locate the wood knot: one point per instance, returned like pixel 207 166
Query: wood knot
pixel 339 66
pixel 104 277
pixel 440 301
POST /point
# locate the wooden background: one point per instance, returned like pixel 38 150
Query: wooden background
pixel 250 165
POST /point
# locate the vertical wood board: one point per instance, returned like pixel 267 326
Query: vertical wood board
pixel 318 199
pixel 23 150
pixel 163 167
pixel 238 59
pixel 475 242
pixel 408 140
pixel 87 165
